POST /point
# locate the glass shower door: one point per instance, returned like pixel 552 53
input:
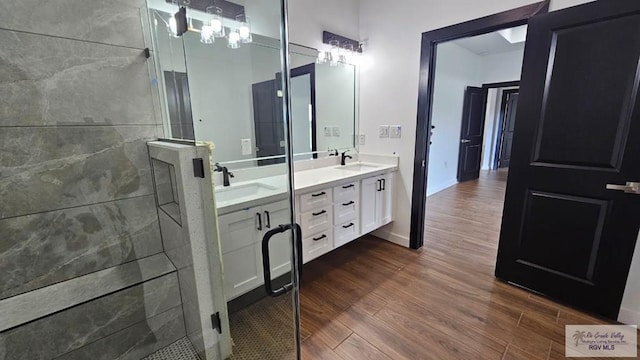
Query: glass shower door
pixel 219 67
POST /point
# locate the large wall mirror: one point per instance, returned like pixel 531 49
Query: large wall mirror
pixel 233 97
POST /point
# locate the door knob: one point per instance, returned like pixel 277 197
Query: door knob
pixel 630 188
pixel 465 141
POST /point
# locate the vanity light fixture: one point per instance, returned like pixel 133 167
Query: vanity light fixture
pixel 342 50
pixel 237 29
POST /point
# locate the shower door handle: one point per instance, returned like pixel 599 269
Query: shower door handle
pixel 266 263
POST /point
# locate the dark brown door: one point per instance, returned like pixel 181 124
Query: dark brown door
pixel 510 102
pixel 473 111
pixel 577 130
pixel 267 118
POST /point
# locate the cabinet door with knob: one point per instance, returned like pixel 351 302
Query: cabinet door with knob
pixel 242 259
pixel 368 199
pixel 280 246
pixel 241 235
pixel 376 202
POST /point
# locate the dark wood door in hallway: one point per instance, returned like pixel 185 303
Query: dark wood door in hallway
pixel 375 300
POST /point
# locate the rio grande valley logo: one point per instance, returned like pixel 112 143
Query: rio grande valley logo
pixel 601 341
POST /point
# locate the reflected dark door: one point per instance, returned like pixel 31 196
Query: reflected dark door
pixel 510 101
pixel 267 117
pixel 564 233
pixel 473 111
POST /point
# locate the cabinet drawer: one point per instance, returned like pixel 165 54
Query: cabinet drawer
pixel 346 232
pixel 345 210
pixel 346 191
pixel 317 220
pixel 315 199
pixel 317 245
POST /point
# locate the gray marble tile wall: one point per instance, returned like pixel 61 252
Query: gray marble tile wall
pixel 105 319
pixel 77 107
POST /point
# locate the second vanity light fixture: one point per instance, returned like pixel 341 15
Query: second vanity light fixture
pixel 342 50
pixel 213 26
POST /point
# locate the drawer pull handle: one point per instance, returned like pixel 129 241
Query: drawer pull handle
pixel 320 194
pixel 259 218
pixel 349 203
pixel 320 237
pixel 320 213
pixel 348 226
pixel 348 186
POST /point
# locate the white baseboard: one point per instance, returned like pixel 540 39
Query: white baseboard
pixel 392 237
pixel 439 187
pixel 629 317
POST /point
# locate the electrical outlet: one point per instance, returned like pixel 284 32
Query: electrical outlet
pixel 245 145
pixel 362 139
pixel 327 131
pixel 336 131
pixel 383 131
pixel 395 131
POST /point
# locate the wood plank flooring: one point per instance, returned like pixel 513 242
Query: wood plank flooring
pixel 374 300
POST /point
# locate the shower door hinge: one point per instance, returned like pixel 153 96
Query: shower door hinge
pixel 215 322
pixel 198 168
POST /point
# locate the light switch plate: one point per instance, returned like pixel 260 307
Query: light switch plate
pixel 362 139
pixel 383 131
pixel 327 131
pixel 395 131
pixel 245 145
pixel 336 131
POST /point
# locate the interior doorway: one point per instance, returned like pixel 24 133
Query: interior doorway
pixel 468 114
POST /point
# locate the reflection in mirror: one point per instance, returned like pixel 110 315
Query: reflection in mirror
pixel 232 96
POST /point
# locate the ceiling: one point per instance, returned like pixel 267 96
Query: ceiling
pixel 492 43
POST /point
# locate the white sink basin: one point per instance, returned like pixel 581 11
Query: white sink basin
pixel 238 193
pixel 358 167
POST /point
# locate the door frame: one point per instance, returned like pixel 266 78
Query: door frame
pixel 503 120
pixel 430 40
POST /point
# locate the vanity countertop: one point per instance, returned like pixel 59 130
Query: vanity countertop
pixel 246 194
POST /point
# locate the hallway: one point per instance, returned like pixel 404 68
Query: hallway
pixel 373 299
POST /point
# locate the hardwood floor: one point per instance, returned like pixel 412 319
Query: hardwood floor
pixel 374 300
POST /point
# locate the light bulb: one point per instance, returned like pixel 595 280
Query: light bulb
pixel 206 35
pixel 173 26
pixel 322 56
pixel 233 40
pixel 245 32
pixel 216 25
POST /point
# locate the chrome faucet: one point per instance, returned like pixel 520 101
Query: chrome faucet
pixel 226 174
pixel 343 158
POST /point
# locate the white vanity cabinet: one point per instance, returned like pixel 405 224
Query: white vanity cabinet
pixel 315 216
pixel 346 209
pixel 376 201
pixel 241 235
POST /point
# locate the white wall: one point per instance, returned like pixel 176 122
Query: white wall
pixel 389 79
pixel 456 68
pixel 501 67
pixel 630 311
pixel 301 113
